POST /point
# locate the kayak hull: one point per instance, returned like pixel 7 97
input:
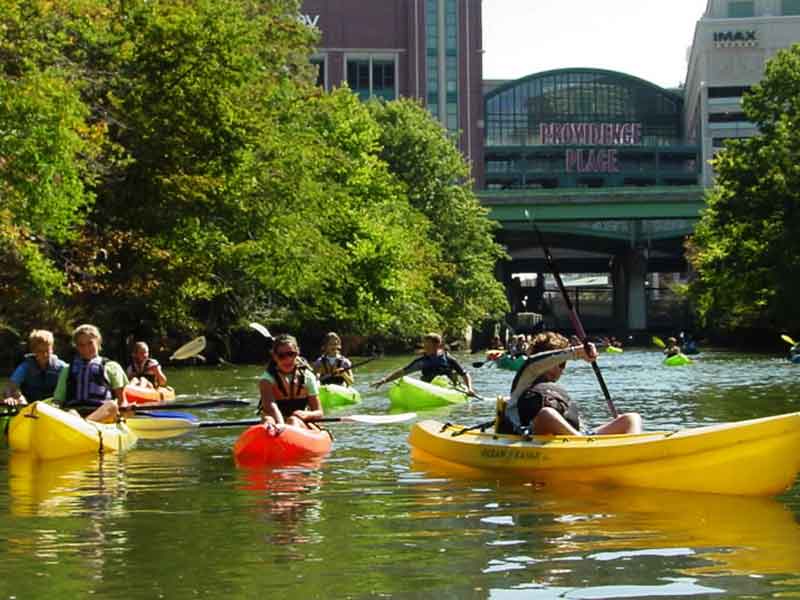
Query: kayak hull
pixel 50 433
pixel 409 393
pixel 510 363
pixel 333 396
pixel 760 457
pixel 677 360
pixel 263 444
pixel 139 394
pixel 614 350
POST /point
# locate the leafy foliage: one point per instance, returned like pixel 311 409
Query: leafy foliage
pixel 745 249
pixel 168 166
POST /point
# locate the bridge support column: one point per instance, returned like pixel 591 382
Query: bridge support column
pixel 628 274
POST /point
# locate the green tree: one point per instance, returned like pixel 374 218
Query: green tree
pixel 745 249
pixel 435 177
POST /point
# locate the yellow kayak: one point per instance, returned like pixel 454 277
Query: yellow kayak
pixel 760 457
pixel 50 433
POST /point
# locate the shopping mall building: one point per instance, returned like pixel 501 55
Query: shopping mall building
pixel 612 167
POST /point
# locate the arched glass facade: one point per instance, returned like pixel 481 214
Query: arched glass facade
pixel 585 128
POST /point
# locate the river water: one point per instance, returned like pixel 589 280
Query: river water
pixel 177 519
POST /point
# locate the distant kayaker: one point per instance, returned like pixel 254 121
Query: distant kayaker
pixel 433 362
pixel 92 380
pixel 143 370
pixel 496 343
pixel 331 366
pixel 36 377
pixel 289 389
pixel 672 348
pixel 539 405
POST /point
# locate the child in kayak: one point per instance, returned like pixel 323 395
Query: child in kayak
pixel 35 378
pixel 143 370
pixel 672 348
pixel 433 362
pixel 92 380
pixel 288 387
pixel 539 405
pixel 331 366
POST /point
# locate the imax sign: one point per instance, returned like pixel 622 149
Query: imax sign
pixel 310 20
pixel 739 38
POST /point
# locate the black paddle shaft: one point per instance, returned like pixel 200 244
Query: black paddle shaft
pixel 576 322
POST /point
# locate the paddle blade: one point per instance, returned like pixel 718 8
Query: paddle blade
pixel 190 349
pixel 158 429
pixel 373 419
pixel 658 342
pixel 788 340
pixel 262 330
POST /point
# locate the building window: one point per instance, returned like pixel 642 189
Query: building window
pixel 736 117
pixel 370 76
pixel 791 7
pixel 319 62
pixel 728 92
pixel 383 79
pixel 738 9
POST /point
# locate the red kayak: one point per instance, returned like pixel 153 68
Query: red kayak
pixel 264 444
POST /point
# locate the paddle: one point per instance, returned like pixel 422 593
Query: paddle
pixel 189 349
pixel 176 405
pixel 262 330
pixel 173 427
pixel 573 316
pixel 658 341
pixel 788 340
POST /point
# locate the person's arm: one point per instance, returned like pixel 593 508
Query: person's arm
pixel 158 374
pixel 13 394
pixel 314 410
pixel 268 406
pixel 346 371
pixel 415 365
pixel 117 380
pixel 538 364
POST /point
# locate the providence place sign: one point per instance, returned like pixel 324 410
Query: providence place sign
pixel 591 160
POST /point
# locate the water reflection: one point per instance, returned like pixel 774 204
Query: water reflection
pixel 287 498
pixel 576 528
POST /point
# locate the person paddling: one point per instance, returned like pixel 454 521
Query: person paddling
pixel 539 405
pixel 331 366
pixel 143 370
pixel 288 387
pixel 92 380
pixel 672 349
pixel 36 377
pixel 433 362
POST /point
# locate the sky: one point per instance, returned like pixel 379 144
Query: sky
pixel 645 38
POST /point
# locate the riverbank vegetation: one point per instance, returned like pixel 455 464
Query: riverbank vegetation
pixel 170 168
pixel 746 248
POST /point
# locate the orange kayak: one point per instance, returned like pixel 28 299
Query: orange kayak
pixel 139 394
pixel 264 444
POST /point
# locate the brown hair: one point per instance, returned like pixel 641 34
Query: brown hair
pixel 88 330
pixel 40 337
pixel 433 337
pixel 548 340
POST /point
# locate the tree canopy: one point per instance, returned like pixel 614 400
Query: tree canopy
pixel 745 250
pixel 170 167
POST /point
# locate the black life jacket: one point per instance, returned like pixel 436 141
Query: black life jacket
pixel 439 364
pixel 40 383
pixel 87 384
pixel 538 396
pixel 328 372
pixel 293 396
pixel 142 373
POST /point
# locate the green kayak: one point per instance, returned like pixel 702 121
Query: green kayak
pixel 332 396
pixel 412 394
pixel 677 360
pixel 511 363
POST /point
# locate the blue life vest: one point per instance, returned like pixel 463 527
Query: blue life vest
pixel 433 366
pixel 40 383
pixel 87 384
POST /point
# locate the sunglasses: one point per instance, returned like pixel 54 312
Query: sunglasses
pixel 287 354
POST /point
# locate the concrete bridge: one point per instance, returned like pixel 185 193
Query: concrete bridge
pixel 628 232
